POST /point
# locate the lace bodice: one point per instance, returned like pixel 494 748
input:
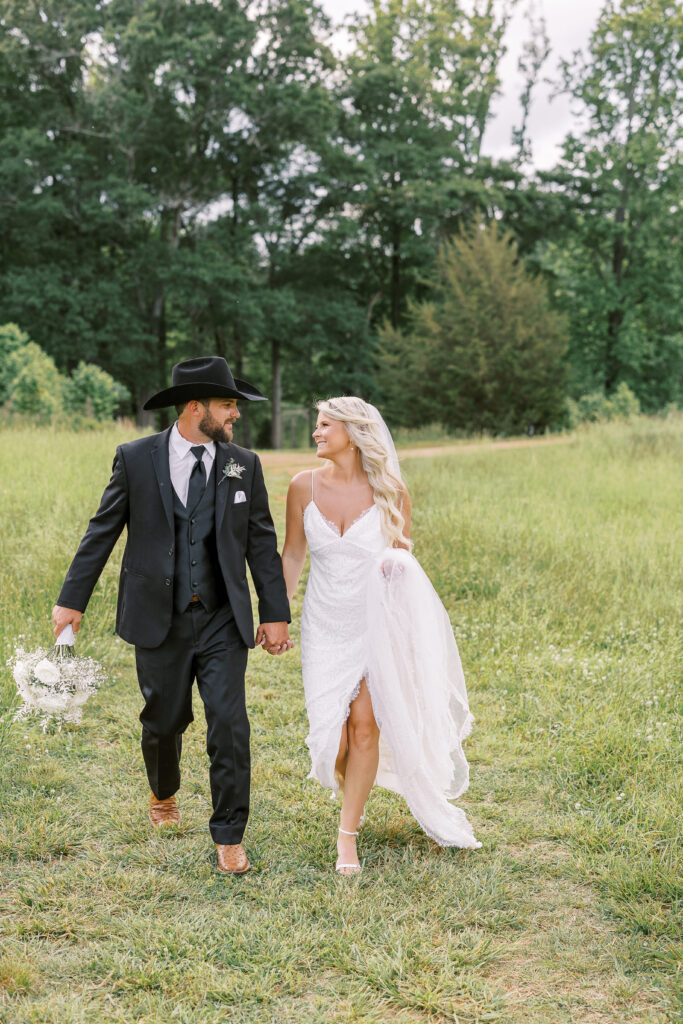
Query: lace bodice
pixel 326 541
pixel 339 564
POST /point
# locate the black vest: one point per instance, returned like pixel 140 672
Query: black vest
pixel 196 557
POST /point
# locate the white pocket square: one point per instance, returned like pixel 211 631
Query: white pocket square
pixel 240 496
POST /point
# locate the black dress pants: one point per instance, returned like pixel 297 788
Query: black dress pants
pixel 205 646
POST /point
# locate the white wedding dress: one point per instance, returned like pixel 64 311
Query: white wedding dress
pixel 371 612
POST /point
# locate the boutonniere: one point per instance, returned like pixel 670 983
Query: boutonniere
pixel 232 469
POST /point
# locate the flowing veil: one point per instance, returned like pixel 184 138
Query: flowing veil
pixel 391 453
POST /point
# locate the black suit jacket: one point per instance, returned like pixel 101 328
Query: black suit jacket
pixel 139 496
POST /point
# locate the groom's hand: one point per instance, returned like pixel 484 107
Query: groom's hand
pixel 63 616
pixel 273 637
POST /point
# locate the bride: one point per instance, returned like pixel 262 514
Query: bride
pixel 385 694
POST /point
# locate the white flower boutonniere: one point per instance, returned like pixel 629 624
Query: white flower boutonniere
pixel 232 469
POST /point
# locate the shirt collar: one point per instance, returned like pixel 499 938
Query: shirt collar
pixel 181 446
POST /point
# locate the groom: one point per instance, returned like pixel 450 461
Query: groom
pixel 196 511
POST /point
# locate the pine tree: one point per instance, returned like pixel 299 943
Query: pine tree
pixel 486 351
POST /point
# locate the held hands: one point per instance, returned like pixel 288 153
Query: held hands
pixel 63 616
pixel 273 637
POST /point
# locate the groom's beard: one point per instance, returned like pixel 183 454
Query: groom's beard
pixel 213 429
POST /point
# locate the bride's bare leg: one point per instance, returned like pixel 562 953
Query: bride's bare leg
pixel 342 756
pixel 361 769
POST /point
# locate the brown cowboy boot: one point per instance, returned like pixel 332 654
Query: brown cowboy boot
pixel 163 812
pixel 232 860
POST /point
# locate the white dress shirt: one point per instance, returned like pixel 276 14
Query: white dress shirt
pixel 181 461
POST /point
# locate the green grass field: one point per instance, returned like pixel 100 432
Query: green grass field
pixel 561 568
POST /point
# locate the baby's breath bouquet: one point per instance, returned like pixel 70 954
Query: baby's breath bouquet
pixel 54 685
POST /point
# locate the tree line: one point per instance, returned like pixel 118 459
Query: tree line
pixel 184 176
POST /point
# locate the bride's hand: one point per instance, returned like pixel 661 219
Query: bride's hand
pixel 274 637
pixel 390 568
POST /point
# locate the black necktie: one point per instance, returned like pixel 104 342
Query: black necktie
pixel 197 478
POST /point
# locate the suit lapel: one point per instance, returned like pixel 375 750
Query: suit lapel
pixel 224 485
pixel 163 474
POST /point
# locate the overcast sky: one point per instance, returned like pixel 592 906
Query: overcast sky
pixel 569 24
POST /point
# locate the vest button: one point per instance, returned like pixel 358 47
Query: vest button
pixel 167 582
pixel 170 551
pixel 194 561
pixel 191 540
pixel 193 521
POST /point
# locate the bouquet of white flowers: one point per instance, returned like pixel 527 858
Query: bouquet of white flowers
pixel 54 685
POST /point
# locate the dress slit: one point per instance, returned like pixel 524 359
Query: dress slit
pixel 347 712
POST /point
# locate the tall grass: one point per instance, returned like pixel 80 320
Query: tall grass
pixel 561 569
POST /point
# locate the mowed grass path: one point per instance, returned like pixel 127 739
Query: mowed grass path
pixel 561 568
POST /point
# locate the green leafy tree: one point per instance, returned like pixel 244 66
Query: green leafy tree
pixel 416 97
pixel 94 392
pixel 293 114
pixel 60 231
pixel 234 94
pixel 217 306
pixel 336 354
pixel 36 386
pixel 170 91
pixel 618 271
pixel 622 404
pixel 486 351
pixel 12 339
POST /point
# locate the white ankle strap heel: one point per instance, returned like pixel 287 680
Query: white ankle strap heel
pixel 354 868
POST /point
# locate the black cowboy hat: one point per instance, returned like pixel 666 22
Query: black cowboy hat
pixel 204 377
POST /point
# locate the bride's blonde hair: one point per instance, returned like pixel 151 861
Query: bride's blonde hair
pixel 367 435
